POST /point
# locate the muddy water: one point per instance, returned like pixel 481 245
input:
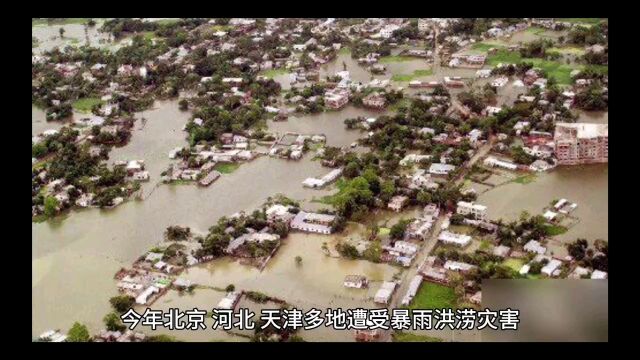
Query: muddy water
pixel 49 36
pixel 588 186
pixel 330 123
pixel 156 132
pixel 201 299
pixel 597 117
pixel 317 282
pixel 87 247
pixel 39 121
pixel 356 72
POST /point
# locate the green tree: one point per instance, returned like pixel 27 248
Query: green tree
pixel 122 303
pixel 397 230
pixel 113 322
pixel 61 31
pixel 78 333
pixel 50 206
pixel 298 260
pixel 230 288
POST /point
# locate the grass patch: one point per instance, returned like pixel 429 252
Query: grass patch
pixel 85 104
pixel 415 74
pixel 505 57
pixel 401 103
pixel 167 21
pixel 556 69
pixel 515 264
pixel 395 58
pixel 485 245
pixel 400 336
pixel 273 72
pixel 525 179
pixel 182 182
pixel 553 230
pixel 61 21
pixel 434 296
pixel 39 218
pixel 384 231
pixel 226 168
pixel 574 50
pixel 344 50
pixel 592 21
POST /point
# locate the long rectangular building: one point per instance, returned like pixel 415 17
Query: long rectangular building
pixel 580 143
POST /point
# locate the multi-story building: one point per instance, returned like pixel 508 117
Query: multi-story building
pixel 580 143
pixel 479 212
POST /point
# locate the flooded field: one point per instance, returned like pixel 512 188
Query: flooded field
pixel 88 246
pixel 329 123
pixel 588 186
pixel 317 282
pixel 74 35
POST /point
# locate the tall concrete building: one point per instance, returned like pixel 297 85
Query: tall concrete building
pixel 580 143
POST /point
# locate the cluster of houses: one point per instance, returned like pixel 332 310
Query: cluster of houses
pixel 303 221
pixel 292 146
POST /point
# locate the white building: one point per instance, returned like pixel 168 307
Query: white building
pixel 479 212
pixel 534 246
pixel 448 237
pixel 384 293
pixel 441 169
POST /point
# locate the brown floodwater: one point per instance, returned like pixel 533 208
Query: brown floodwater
pixel 74 257
pixel 87 247
pixel 49 36
pixel 588 186
pixel 329 123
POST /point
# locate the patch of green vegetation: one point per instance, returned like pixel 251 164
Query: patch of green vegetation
pixel 344 50
pixel 181 182
pixel 39 218
pixel 434 296
pixel 553 230
pixel 61 21
pixel 415 74
pixel 273 72
pixel 485 245
pixel 217 28
pixel 34 42
pixel 505 57
pixel 592 21
pixel 402 103
pixel 556 69
pixel 395 58
pixel 515 264
pixel 148 35
pixel 574 50
pixel 85 104
pixel 536 30
pixel 226 168
pixel 384 231
pixel 167 21
pixel 73 41
pixel 525 179
pixel 601 69
pixel 400 336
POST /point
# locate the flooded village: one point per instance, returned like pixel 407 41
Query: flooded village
pixel 310 164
